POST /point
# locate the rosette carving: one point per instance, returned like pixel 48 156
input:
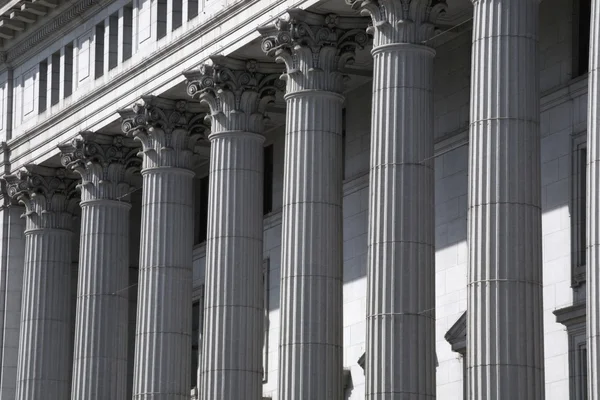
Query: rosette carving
pixel 315 48
pixel 49 195
pixel 106 165
pixel 236 91
pixel 168 130
pixel 401 21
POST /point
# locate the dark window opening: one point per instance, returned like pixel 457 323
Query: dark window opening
pixel 268 180
pixel 195 341
pixel 202 210
pixel 581 222
pixel 581 35
pixel 43 86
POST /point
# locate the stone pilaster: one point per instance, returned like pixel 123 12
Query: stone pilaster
pixel 169 132
pixel 400 353
pixel 313 48
pixel 105 165
pixel 505 340
pixel 12 257
pixel 593 209
pixel 45 345
pixel 236 92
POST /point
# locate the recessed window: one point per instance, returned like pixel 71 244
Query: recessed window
pixel 581 36
pixel 268 180
pixel 201 210
pixel 578 216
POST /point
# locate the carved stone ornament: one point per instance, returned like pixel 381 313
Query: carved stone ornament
pixel 314 47
pixel 49 195
pixel 236 91
pixel 401 21
pixel 169 131
pixel 105 163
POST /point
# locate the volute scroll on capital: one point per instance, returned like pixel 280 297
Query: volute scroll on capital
pixel 314 48
pixel 236 91
pixel 106 164
pixel 49 195
pixel 401 21
pixel 169 131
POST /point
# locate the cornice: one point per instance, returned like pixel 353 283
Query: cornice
pixel 571 315
pixel 69 18
pixel 457 335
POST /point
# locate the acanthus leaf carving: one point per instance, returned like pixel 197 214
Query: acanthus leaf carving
pixel 169 131
pixel 237 92
pixel 314 48
pixel 49 195
pixel 106 164
pixel 401 21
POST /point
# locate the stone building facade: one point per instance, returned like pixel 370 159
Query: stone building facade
pixel 299 199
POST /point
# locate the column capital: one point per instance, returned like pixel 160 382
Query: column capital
pixel 401 21
pixel 236 91
pixel 106 165
pixel 49 195
pixel 314 48
pixel 169 131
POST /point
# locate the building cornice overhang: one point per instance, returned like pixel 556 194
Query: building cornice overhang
pixel 571 315
pixel 457 335
pixel 58 19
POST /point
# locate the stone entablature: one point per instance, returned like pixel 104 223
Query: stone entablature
pixel 101 85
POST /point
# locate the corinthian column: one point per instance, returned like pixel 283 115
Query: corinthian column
pixel 45 345
pixel 232 343
pixel 314 48
pixel 593 209
pixel 400 353
pixel 505 340
pixel 13 259
pixel 168 132
pixel 105 164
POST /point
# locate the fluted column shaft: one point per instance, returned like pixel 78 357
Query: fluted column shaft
pixel 100 358
pixel 593 209
pixel 104 164
pixel 15 261
pixel 401 273
pixel 236 92
pixel 234 309
pixel 168 131
pixel 44 366
pixel 313 48
pixel 163 331
pixel 505 341
pixel 45 341
pixel 310 357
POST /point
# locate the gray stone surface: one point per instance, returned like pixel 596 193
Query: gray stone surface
pixel 232 342
pixel 311 339
pixel 15 260
pixel 505 341
pixel 593 210
pixel 45 343
pixel 400 343
pixel 169 132
pixel 105 165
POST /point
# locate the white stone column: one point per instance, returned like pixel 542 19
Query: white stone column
pixel 45 345
pixel 236 92
pixel 13 255
pixel 168 132
pixel 311 341
pixel 593 209
pixel 505 337
pixel 105 165
pixel 400 349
